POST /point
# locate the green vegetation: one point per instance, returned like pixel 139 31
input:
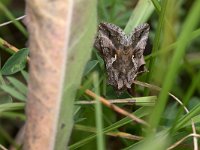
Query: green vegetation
pixel 173 63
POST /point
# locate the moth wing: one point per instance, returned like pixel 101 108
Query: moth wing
pixel 139 42
pixel 139 38
pixel 111 30
pixel 107 38
pixel 105 46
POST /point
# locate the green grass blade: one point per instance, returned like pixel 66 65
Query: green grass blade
pixel 185 119
pixel 13 115
pixel 188 95
pixel 80 46
pixel 98 115
pixel 195 34
pixel 103 10
pixel 89 66
pixel 141 13
pixel 156 42
pixel 21 87
pixel 195 119
pixel 156 5
pixel 159 142
pixel 141 112
pixel 12 106
pixel 13 92
pixel 25 75
pixel 189 25
pixel 1 79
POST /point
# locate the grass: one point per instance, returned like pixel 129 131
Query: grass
pixel 98 115
pixel 156 42
pixel 187 28
pixel 173 65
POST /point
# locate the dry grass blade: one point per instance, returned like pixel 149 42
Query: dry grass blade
pixel 6 23
pixel 8 45
pixel 179 101
pixel 114 134
pixel 2 147
pixel 127 101
pixel 154 87
pixel 5 44
pixel 114 101
pixel 183 139
pixel 116 108
pixel 125 135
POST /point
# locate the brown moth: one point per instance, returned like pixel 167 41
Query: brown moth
pixel 122 54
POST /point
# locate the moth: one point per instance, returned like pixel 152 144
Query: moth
pixel 122 54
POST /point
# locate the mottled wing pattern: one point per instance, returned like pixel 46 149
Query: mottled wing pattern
pixel 139 41
pixel 122 54
pixel 108 35
pixel 139 38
